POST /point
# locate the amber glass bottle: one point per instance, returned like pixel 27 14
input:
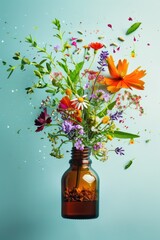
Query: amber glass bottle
pixel 80 187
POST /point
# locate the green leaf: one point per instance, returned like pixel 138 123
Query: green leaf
pixel 103 112
pixel 48 66
pixel 4 63
pixel 22 67
pixel 80 91
pixel 29 39
pixel 10 73
pixel 65 67
pixel 128 164
pixel 120 134
pixel 74 75
pixel 111 105
pixel 37 73
pixel 25 61
pixel 29 90
pixel 51 91
pixel 11 69
pixel 41 62
pixel 16 58
pixel 34 44
pixel 133 28
pixel 40 85
pixel 56 22
pixel 58 36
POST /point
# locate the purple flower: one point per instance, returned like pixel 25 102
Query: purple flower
pixel 79 145
pixel 106 97
pixel 102 62
pixel 42 120
pixel 86 86
pixel 72 130
pixel 116 115
pixel 93 96
pixel 67 126
pixel 97 146
pixel 79 128
pixel 100 94
pixel 56 48
pixel 119 150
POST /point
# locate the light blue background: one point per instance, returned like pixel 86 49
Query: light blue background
pixel 30 178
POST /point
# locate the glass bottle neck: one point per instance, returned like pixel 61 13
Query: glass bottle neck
pixel 79 157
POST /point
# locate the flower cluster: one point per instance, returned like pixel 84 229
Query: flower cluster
pixel 85 104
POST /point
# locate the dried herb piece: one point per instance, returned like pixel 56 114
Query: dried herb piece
pixel 128 164
pixel 121 39
pixel 133 28
pixel 79 195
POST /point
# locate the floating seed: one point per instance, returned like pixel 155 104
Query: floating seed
pixel 121 39
pixel 80 40
pixel 114 44
pixel 80 32
pixel 100 37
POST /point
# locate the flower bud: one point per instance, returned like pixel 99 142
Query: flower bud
pixel 68 92
pixel 105 119
pixel 131 141
pixel 109 137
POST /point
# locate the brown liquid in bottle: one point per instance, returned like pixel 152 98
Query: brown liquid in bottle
pixel 80 187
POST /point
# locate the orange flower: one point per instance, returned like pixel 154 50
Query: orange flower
pixel 67 107
pixel 96 45
pixel 119 78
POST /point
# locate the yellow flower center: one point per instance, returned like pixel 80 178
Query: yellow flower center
pixel 80 99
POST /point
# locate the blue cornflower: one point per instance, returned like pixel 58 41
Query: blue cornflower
pixel 119 150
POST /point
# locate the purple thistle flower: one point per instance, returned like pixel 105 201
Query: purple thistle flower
pixel 119 150
pixel 79 145
pixel 116 115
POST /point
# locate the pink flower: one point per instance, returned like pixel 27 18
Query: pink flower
pixel 74 43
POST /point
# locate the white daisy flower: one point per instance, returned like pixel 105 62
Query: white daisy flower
pixel 80 102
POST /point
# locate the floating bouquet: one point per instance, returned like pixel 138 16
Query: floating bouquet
pixel 84 106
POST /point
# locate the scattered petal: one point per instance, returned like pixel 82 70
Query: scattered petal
pixel 130 19
pixel 109 25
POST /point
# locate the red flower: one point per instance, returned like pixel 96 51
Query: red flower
pixel 96 45
pixel 42 120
